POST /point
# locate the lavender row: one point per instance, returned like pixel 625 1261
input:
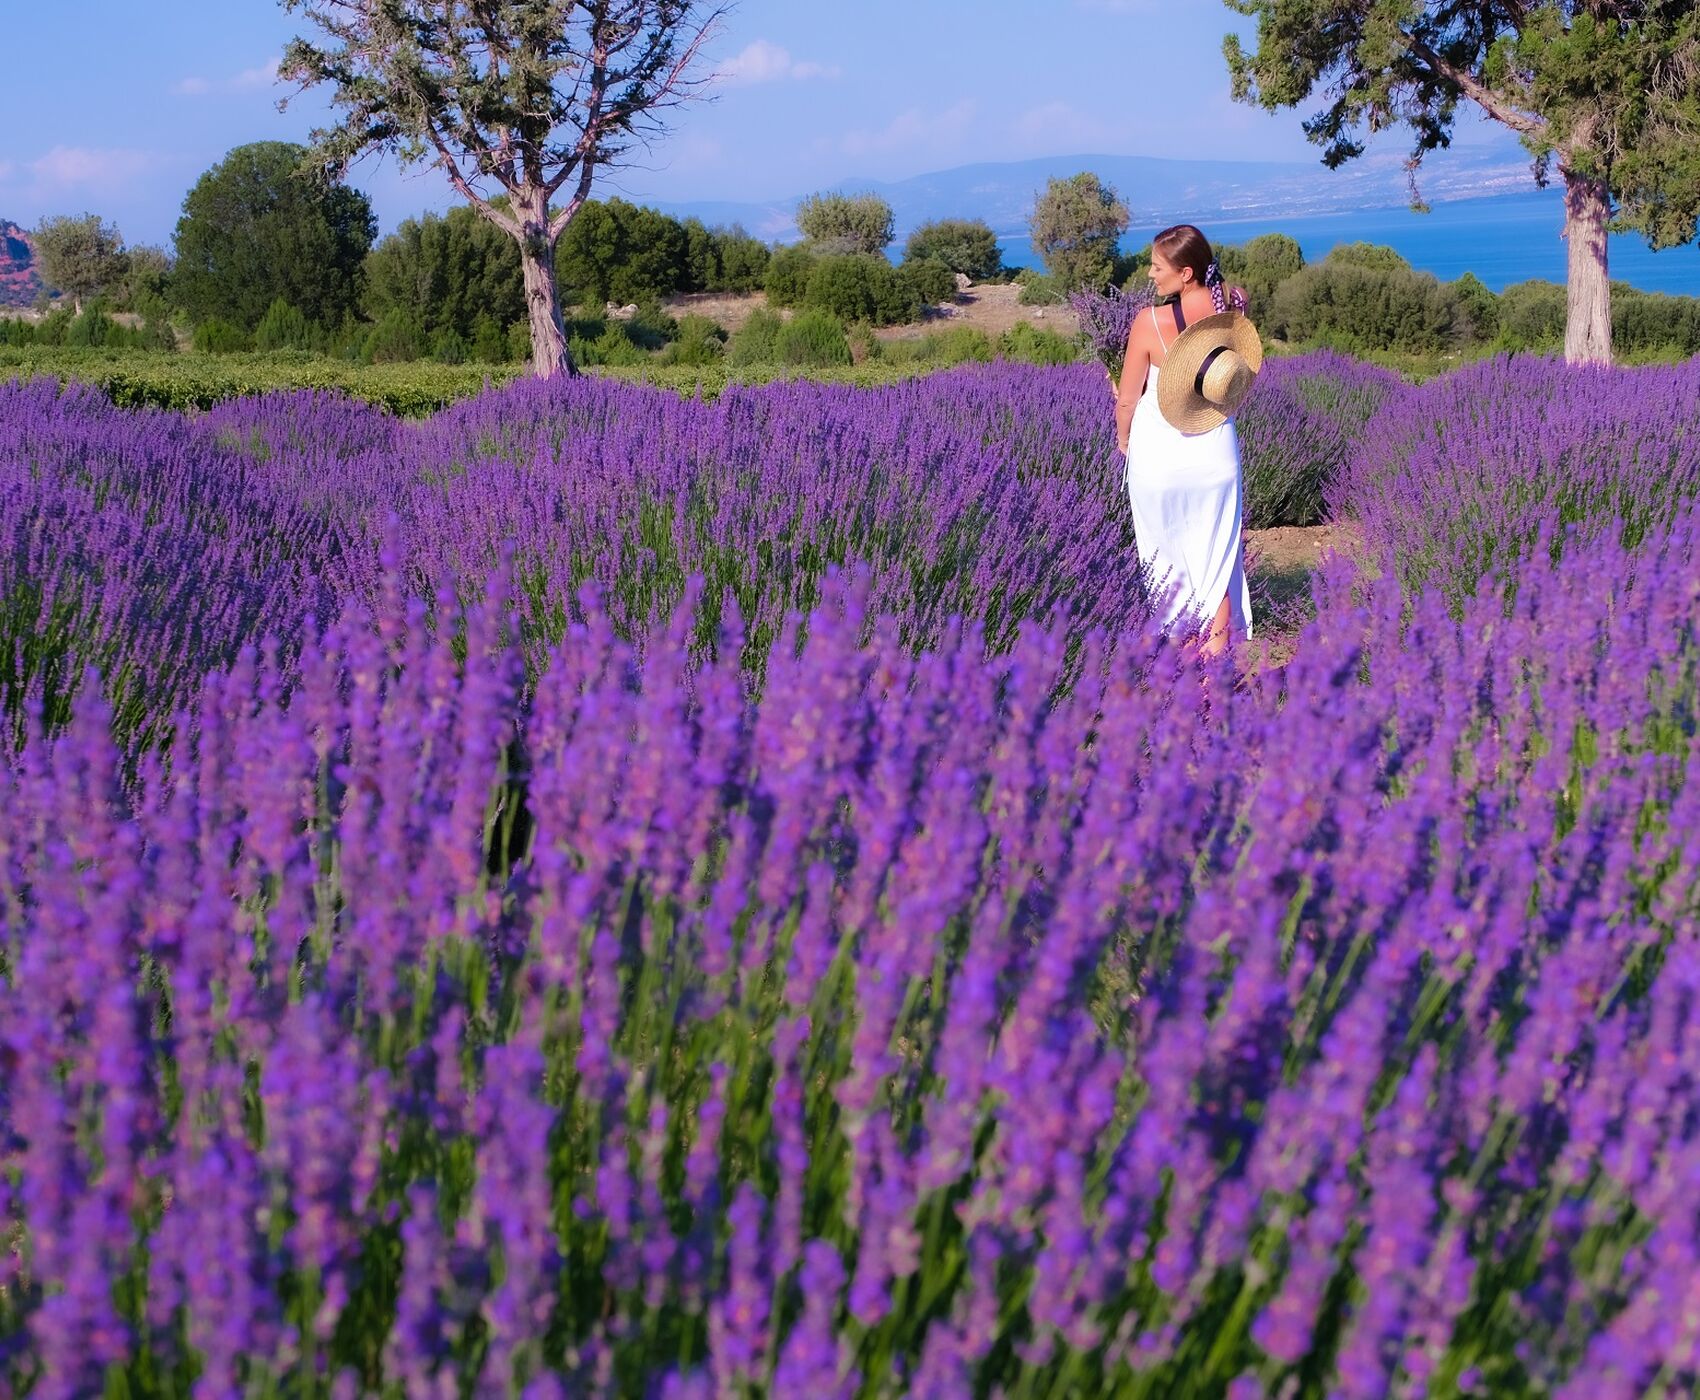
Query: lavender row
pixel 152 546
pixel 914 1026
pixel 1464 476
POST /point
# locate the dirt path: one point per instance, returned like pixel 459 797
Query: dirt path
pixel 992 307
pixel 1280 564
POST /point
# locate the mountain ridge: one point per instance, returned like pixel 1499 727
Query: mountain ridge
pixel 1157 190
pixel 20 282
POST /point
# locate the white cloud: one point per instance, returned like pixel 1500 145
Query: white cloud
pixel 762 61
pixel 915 130
pixel 248 80
pixel 1057 126
pixel 66 167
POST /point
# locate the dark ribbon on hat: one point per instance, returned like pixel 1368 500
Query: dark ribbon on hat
pixel 1204 369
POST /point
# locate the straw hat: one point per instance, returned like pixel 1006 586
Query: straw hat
pixel 1209 370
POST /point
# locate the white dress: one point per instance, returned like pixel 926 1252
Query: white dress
pixel 1185 493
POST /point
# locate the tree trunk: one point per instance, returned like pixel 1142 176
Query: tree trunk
pixel 1587 329
pixel 549 353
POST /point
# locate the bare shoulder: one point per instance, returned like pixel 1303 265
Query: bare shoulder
pixel 1198 303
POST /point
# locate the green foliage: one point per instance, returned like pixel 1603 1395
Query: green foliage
pixel 1378 257
pixel 930 281
pixel 1531 316
pixel 1607 90
pixel 651 328
pixel 700 341
pixel 1480 305
pixel 1076 225
pixel 968 246
pixel 1351 307
pixel 448 348
pixel 1036 345
pixel 837 223
pixel 1037 289
pixel 446 271
pixel 597 340
pixel 1653 325
pixel 283 327
pixel 140 378
pixel 940 349
pixel 1260 266
pixel 147 280
pixel 812 339
pixel 396 339
pixel 757 340
pixel 80 257
pixel 215 336
pixel 489 345
pixel 787 276
pixel 623 253
pixel 743 261
pixel 861 287
pixel 256 227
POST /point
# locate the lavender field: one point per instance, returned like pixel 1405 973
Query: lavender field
pixel 597 893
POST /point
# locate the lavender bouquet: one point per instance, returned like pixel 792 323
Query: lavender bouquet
pixel 1106 318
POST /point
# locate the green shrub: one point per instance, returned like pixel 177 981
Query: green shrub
pixel 519 341
pixel 757 340
pixel 1378 257
pixel 930 281
pixel 1037 289
pixel 1531 316
pixel 861 287
pixel 1035 345
pixel 216 336
pixel 613 347
pixel 396 339
pixel 1645 324
pixel 1480 305
pixel 144 378
pixel 812 339
pixel 95 327
pixel 447 347
pixel 700 342
pixel 651 328
pixel 787 276
pixel 489 345
pixel 968 246
pixel 743 261
pixel 1260 265
pixel 283 327
pixel 1352 307
pixel 959 345
pixel 864 344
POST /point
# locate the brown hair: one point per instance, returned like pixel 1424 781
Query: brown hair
pixel 1185 245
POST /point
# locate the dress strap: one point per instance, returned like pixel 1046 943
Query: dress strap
pixel 1157 326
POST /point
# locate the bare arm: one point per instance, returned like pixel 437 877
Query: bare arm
pixel 1135 366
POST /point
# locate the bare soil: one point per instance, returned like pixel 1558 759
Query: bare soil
pixel 1280 564
pixel 992 307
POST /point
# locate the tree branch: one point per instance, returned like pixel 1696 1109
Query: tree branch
pixel 1496 105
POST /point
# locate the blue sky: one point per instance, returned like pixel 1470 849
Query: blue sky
pixel 118 107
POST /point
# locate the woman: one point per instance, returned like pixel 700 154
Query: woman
pixel 1184 486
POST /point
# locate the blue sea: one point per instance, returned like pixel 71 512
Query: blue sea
pixel 1501 238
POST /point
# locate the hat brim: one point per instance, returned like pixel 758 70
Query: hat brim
pixel 1178 398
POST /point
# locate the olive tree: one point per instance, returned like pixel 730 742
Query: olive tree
pixel 523 98
pixel 1076 226
pixel 1607 89
pixel 81 257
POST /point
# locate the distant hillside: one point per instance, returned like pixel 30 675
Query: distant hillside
pixel 1156 191
pixel 19 282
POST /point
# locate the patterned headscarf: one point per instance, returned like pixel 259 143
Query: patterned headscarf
pixel 1223 300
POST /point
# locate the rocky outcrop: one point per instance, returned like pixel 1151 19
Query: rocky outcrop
pixel 20 284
